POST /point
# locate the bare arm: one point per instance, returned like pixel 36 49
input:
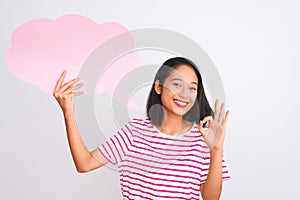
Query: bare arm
pixel 83 159
pixel 212 188
pixel 214 137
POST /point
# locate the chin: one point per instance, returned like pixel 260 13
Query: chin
pixel 180 112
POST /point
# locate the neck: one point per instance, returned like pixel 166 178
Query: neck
pixel 173 124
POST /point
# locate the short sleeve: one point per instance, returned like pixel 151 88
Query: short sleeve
pixel 115 147
pixel 205 168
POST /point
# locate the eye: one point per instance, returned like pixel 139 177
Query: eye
pixel 177 84
pixel 193 89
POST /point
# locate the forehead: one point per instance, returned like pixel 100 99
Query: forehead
pixel 184 72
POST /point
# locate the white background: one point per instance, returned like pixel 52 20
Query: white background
pixel 254 45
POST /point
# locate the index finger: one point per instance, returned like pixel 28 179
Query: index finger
pixel 207 118
pixel 59 81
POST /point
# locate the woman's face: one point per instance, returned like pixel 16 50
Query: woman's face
pixel 179 91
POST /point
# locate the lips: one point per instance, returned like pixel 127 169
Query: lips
pixel 181 104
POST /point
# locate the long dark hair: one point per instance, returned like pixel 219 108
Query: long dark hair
pixel 199 110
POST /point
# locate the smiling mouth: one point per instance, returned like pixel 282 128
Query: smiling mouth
pixel 181 104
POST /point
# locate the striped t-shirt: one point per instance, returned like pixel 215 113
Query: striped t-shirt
pixel 154 165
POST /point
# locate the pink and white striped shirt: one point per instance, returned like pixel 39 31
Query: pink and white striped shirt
pixel 154 165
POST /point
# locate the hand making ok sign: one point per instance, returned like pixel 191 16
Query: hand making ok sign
pixel 215 134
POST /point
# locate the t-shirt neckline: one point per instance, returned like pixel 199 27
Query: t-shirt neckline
pixel 173 136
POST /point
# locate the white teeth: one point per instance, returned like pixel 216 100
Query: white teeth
pixel 181 103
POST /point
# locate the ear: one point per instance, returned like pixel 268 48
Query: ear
pixel 157 87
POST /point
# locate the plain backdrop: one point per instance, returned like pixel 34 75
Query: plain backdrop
pixel 255 47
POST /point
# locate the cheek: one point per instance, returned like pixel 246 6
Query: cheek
pixel 168 92
pixel 193 98
pixel 167 96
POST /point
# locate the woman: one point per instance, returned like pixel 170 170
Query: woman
pixel 174 153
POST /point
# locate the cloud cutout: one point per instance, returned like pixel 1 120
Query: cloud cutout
pixel 43 48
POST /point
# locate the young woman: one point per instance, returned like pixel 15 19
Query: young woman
pixel 175 152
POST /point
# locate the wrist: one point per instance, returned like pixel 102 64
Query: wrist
pixel 217 151
pixel 68 115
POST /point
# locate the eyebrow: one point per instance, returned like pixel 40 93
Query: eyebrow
pixel 174 79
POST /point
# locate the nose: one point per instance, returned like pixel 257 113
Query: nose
pixel 183 93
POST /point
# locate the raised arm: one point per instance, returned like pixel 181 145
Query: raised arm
pixel 83 159
pixel 214 137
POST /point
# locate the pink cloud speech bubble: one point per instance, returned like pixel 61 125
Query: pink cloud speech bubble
pixel 43 48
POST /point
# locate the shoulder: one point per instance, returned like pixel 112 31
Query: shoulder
pixel 138 122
